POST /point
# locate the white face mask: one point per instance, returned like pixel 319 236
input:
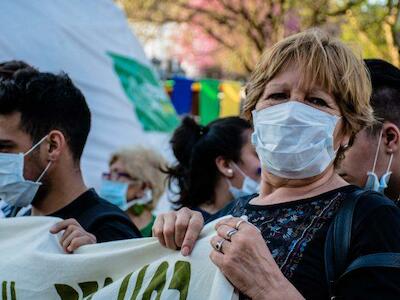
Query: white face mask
pixel 294 140
pixel 249 186
pixel 14 189
pixel 373 183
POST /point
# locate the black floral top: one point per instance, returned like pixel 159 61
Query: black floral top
pixel 295 234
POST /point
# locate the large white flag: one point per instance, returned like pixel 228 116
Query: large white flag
pixel 33 266
pixel 92 42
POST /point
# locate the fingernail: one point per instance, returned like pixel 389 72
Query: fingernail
pixel 185 251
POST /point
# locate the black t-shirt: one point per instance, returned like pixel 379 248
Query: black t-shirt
pixel 295 234
pixel 99 217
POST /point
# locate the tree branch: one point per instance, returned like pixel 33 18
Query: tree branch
pixel 344 9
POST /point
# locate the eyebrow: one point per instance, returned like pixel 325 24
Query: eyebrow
pixel 281 85
pixel 7 143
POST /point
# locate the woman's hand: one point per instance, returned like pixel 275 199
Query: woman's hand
pixel 246 261
pixel 74 235
pixel 179 229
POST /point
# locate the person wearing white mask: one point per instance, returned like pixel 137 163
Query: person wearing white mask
pixel 307 97
pixel 135 183
pixel 215 164
pixel 373 161
pixel 44 124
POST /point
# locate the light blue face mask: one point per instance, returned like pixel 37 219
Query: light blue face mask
pixel 249 186
pixel 373 183
pixel 15 190
pixel 115 192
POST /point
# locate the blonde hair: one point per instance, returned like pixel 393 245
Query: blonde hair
pixel 322 60
pixel 145 165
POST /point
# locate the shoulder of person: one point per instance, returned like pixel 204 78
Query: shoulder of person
pixel 104 214
pixel 110 223
pixel 242 201
pixel 372 203
pixel 376 225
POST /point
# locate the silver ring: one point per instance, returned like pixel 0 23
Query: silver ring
pixel 218 245
pixel 238 224
pixel 230 233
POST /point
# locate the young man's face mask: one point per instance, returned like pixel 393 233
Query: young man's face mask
pixel 14 189
pixel 373 183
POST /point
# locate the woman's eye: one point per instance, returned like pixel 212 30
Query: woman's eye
pixel 277 96
pixel 318 101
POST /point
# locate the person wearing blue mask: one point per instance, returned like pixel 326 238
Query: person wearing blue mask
pixel 44 124
pixel 373 160
pixel 135 183
pixel 215 164
pixel 7 69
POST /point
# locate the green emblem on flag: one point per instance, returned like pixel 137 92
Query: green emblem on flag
pixel 141 85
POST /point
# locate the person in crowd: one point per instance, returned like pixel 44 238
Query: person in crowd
pixel 215 164
pixel 373 161
pixel 7 69
pixel 307 97
pixel 44 124
pixel 135 183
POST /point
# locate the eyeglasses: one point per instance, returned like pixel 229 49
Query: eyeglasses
pixel 119 176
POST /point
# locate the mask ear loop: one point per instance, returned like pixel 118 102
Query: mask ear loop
pixel 390 163
pixel 44 172
pixel 377 152
pixel 239 169
pixel 35 146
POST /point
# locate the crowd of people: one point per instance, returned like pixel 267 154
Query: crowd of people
pixel 319 133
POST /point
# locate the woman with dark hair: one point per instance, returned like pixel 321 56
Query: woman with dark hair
pixel 216 163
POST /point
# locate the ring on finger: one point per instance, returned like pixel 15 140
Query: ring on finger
pixel 238 224
pixel 218 245
pixel 230 233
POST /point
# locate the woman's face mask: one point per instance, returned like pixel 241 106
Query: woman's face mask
pixel 294 140
pixel 116 193
pixel 249 185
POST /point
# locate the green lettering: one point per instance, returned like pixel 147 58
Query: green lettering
pixel 4 290
pixel 139 282
pixel 66 292
pixel 12 288
pixel 88 287
pixel 107 281
pixel 157 283
pixel 181 279
pixel 124 287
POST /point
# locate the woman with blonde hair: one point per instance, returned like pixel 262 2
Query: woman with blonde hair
pixel 307 98
pixel 135 183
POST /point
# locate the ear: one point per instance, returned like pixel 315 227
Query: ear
pixel 140 191
pixel 390 137
pixel 223 166
pixel 56 145
pixel 345 141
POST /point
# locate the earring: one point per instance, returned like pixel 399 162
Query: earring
pixel 230 172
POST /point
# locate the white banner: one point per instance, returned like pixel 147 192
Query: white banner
pixel 34 266
pixel 92 42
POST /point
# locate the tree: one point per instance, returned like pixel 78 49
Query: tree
pixel 376 27
pixel 240 30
